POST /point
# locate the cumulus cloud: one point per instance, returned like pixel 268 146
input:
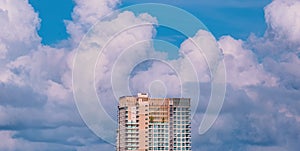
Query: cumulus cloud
pixel 18 26
pixel 35 83
pixel 283 19
pixel 262 113
pixel 243 67
pixel 286 69
pixel 36 105
pixel 281 36
pixel 261 124
pixel 86 14
pixel 199 54
pixel 169 82
pixel 196 53
pixel 101 48
pixel 278 49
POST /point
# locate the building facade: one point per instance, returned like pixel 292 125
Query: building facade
pixel 153 124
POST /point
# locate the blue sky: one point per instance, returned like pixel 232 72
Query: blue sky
pixel 53 28
pixel 40 75
pixel 235 18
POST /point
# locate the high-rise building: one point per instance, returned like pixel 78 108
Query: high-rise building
pixel 153 124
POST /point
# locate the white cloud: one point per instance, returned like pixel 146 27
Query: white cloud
pixel 278 51
pixel 242 65
pixel 199 57
pixel 85 14
pixel 91 12
pixel 108 39
pixel 283 17
pixel 18 27
pixel 159 71
pixel 39 66
pixel 18 34
pixel 18 21
pixel 35 80
pixel 106 46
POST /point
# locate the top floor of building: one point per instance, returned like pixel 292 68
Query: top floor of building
pixel 143 99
